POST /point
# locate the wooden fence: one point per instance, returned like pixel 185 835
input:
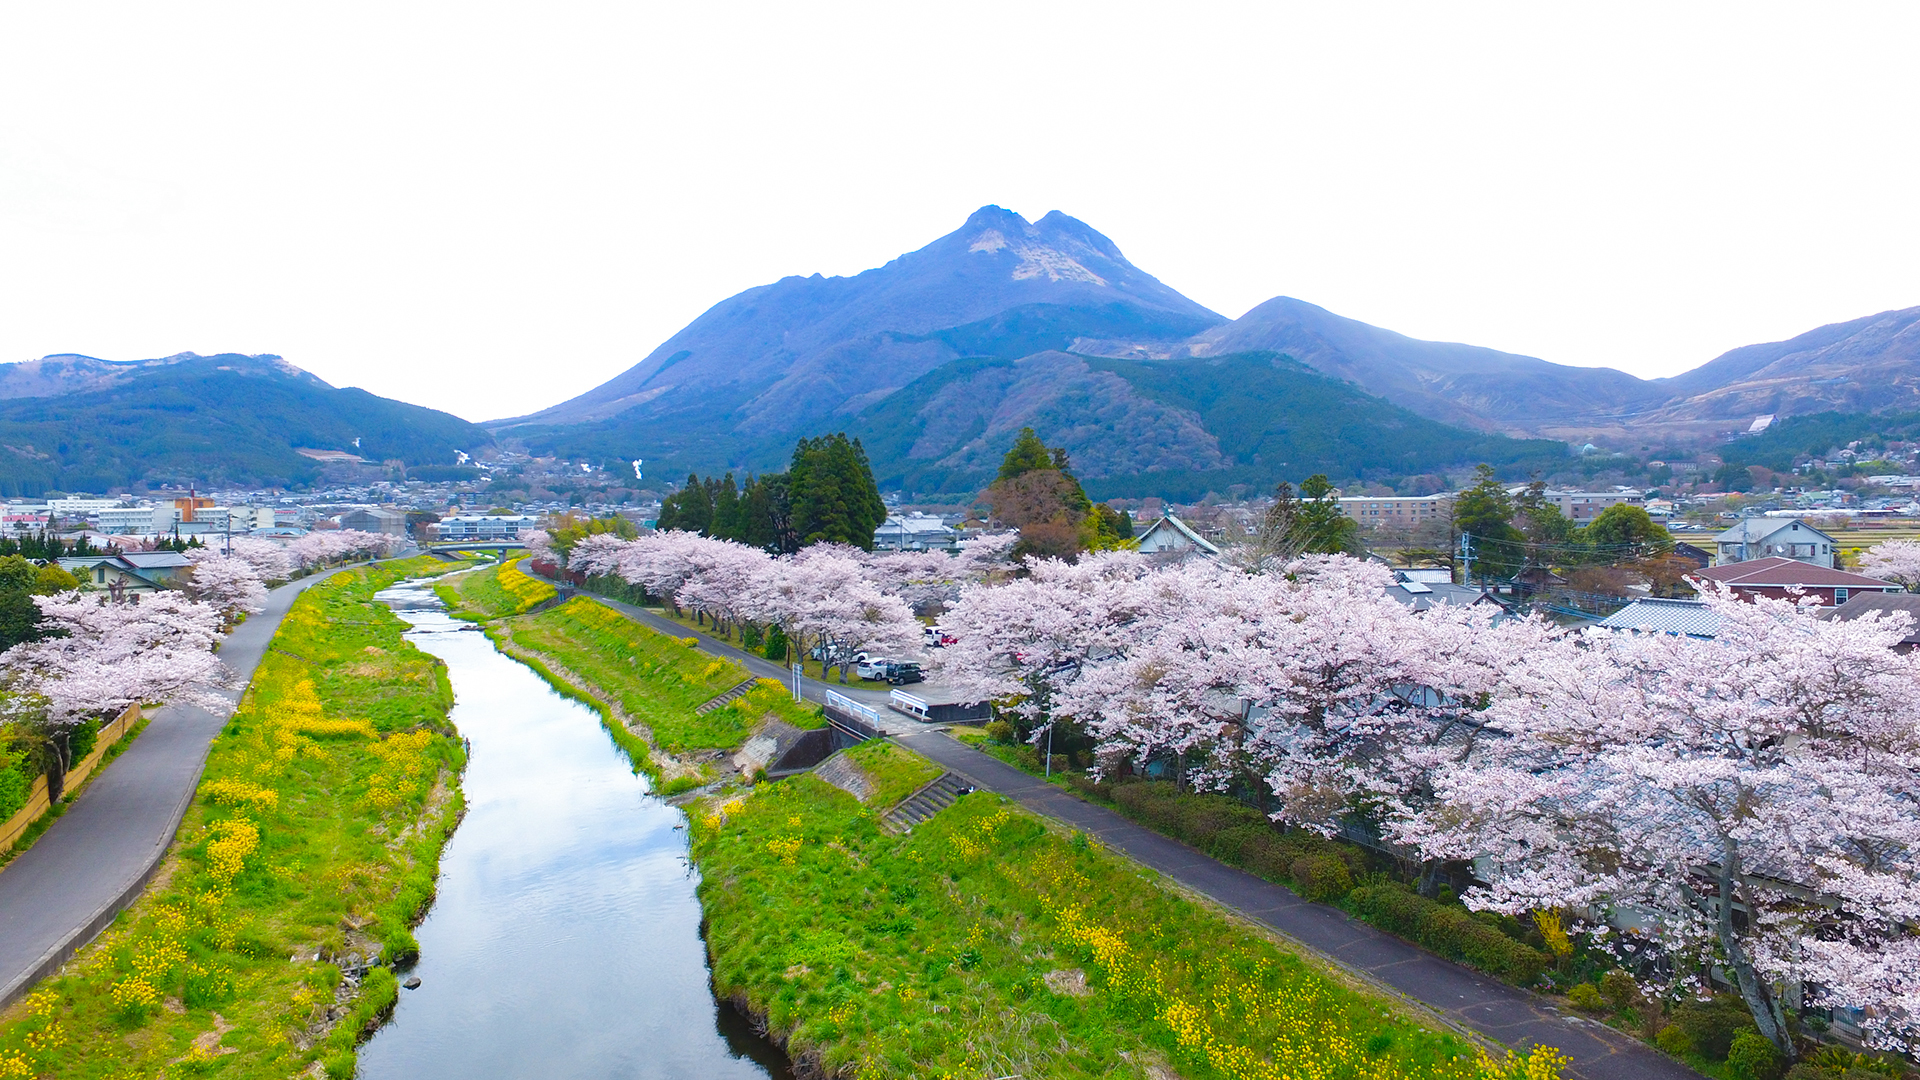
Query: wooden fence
pixel 16 826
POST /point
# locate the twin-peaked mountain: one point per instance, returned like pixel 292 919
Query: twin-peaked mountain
pixel 937 358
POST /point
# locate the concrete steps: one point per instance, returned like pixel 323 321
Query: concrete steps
pixel 925 803
pixel 727 698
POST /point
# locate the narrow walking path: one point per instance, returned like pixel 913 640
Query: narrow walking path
pixel 1480 1002
pixel 93 861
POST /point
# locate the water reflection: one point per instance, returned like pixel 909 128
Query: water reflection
pixel 565 940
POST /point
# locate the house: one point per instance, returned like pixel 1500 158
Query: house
pixel 1421 591
pixel 136 571
pixel 1170 535
pixel 913 532
pixel 375 519
pixel 1862 603
pixel 1655 615
pixel 1787 538
pixel 483 528
pixel 1777 576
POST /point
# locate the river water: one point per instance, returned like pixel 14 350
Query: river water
pixel 565 939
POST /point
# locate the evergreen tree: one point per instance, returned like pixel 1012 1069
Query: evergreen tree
pixel 832 492
pixel 1485 513
pixel 1325 528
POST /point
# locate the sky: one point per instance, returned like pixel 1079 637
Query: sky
pixel 489 208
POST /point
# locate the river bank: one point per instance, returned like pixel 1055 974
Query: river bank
pixel 564 940
pixel 310 847
pixel 983 942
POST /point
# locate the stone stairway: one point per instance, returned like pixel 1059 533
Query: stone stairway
pixel 842 773
pixel 727 698
pixel 925 803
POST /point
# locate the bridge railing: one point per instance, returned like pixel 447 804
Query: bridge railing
pixel 851 715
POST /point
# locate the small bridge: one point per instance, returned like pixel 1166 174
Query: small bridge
pixel 474 545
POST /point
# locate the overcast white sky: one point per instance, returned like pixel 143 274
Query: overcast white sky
pixel 492 207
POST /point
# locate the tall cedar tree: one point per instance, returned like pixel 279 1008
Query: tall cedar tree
pixel 826 495
pixel 1485 512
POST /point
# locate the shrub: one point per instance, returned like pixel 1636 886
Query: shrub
pixel 1752 1056
pixel 1586 997
pixel 999 731
pixel 1673 1041
pixel 1710 1025
pixel 1322 877
pixel 1619 989
pixel 1449 931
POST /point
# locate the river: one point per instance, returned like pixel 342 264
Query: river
pixel 565 939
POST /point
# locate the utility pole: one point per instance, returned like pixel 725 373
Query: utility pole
pixel 1466 558
pixel 1049 749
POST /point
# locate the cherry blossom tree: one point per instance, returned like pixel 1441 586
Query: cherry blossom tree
pixel 323 547
pixel 1750 802
pixel 110 655
pixel 229 583
pixel 1897 561
pixel 268 558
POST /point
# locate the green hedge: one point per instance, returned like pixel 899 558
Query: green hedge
pixel 1232 832
pixel 1450 931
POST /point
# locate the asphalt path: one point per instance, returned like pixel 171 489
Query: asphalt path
pixel 96 858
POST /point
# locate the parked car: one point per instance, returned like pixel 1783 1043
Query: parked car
pixel 881 669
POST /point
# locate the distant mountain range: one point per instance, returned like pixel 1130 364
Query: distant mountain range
pixel 939 357
pixel 80 424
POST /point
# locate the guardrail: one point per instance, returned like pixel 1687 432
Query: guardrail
pixel 901 701
pixel 851 716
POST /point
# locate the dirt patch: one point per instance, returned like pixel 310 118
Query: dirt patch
pixel 1067 982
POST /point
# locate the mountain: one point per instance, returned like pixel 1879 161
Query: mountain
pixel 1171 427
pixel 1866 365
pixel 226 419
pixel 1460 384
pixel 746 378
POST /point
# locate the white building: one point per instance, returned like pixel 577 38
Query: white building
pixel 484 527
pixel 1762 538
pixel 913 532
pixel 136 520
pixel 1396 509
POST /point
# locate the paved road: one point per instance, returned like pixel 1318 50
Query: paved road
pixel 94 861
pixel 1514 1017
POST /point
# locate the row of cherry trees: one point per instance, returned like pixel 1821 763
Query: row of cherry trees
pixel 1750 802
pixel 832 596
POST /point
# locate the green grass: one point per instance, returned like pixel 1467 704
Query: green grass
pixel 495 592
pixel 656 679
pixel 955 951
pixel 895 773
pixel 317 828
pixel 814 669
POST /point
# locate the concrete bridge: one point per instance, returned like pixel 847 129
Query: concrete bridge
pixel 474 545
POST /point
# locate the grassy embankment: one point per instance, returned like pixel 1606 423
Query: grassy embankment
pixel 984 944
pixel 646 686
pixel 1357 881
pixel 317 829
pixel 495 592
pixel 895 773
pixel 813 669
